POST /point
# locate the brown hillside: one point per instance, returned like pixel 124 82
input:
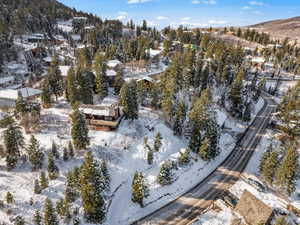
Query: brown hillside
pixel 280 29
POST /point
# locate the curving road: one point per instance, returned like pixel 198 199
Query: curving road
pixel 189 206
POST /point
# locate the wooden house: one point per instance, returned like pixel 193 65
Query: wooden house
pixel 8 97
pixel 102 117
pixel 254 210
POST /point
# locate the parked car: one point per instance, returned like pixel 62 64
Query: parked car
pixel 280 212
pixel 257 185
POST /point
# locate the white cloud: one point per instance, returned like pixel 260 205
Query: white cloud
pixel 151 23
pixel 246 8
pixel 162 18
pixel 122 16
pixel 210 2
pixel 189 24
pixel 185 18
pixel 217 22
pixel 256 3
pixel 137 1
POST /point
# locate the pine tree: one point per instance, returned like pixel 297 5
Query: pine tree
pixel 184 157
pixel 9 198
pixel 144 25
pixel 155 96
pixel 235 95
pixel 54 150
pixel 150 157
pixel 84 87
pixel 195 139
pixel 212 133
pixel 43 180
pixel 37 219
pixel 79 130
pixel 35 153
pixel 204 150
pixel 50 217
pixel 202 123
pixel 37 188
pixel 71 90
pixel 281 221
pixel 46 95
pixel 105 174
pixel 13 141
pixel 72 187
pixel 21 105
pixel 65 154
pixel 71 150
pixel 247 113
pixel 91 187
pixel 260 87
pixel 165 176
pixel 19 220
pixel 265 156
pixel 59 206
pixel 179 119
pixel 55 78
pixel 53 171
pixel 157 142
pixel 269 167
pixel 101 79
pixel 119 81
pixel 288 171
pixel 129 100
pixel 140 189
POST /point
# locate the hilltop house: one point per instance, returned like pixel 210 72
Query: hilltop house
pixel 104 117
pixel 8 97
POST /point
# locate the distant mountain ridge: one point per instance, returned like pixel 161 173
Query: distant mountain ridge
pixel 282 28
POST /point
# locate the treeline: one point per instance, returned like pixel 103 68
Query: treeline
pixel 253 36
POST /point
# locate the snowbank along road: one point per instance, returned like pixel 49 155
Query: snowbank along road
pixel 189 206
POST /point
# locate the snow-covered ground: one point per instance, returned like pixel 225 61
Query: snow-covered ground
pixel 125 153
pixel 220 216
pixel 159 196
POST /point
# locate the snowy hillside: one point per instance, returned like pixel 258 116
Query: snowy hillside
pixel 125 153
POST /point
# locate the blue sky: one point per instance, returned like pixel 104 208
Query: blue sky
pixel 192 13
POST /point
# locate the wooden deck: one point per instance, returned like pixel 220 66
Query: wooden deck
pixel 103 125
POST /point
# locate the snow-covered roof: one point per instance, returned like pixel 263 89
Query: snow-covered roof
pixel 113 63
pixel 13 94
pixel 64 70
pixel 65 22
pixel 47 59
pixel 146 78
pixel 4 80
pixel 269 64
pixel 258 60
pixel 89 27
pixel 14 66
pixel 79 18
pixel 36 36
pixel 154 52
pixel 111 73
pixel 59 37
pixel 76 37
pixel 96 112
pixel 106 108
pixel 109 101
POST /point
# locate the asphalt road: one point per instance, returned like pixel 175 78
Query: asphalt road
pixel 189 206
